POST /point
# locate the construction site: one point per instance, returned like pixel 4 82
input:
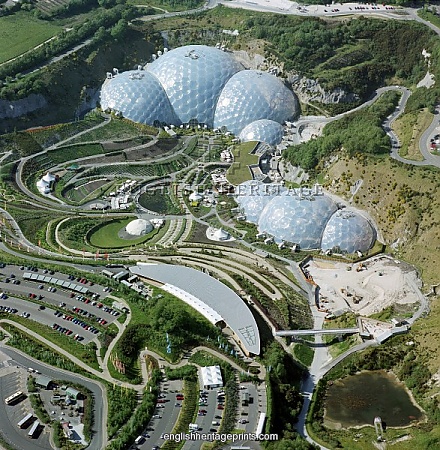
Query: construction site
pixel 363 288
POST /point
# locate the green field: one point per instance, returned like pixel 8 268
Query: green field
pixel 22 32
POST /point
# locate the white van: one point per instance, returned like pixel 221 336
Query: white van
pixel 139 440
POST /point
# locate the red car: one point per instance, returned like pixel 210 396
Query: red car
pixel 220 407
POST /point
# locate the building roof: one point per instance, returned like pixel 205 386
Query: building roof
pixel 211 376
pixel 72 392
pixel 208 296
pixel 42 380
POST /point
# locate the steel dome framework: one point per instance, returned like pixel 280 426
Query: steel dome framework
pixel 252 95
pixel 263 130
pixel 297 218
pixel 348 231
pixel 205 85
pixel 139 96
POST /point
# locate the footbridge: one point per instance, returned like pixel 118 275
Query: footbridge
pixel 337 331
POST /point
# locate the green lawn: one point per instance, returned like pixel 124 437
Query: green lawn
pixel 239 170
pixel 22 31
pixel 106 236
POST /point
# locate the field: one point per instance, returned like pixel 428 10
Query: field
pixel 22 31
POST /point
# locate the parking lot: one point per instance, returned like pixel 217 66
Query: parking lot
pixel 79 315
pixel 13 380
pixel 165 416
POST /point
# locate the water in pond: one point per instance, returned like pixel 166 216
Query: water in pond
pixel 357 399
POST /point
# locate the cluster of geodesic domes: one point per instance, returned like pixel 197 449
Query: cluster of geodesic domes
pixel 197 84
pixel 304 216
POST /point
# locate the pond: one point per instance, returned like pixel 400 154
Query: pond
pixel 356 400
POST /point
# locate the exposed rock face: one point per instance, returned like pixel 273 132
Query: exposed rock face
pixel 17 108
pixel 310 91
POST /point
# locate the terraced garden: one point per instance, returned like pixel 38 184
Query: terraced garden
pixel 144 170
pixel 78 193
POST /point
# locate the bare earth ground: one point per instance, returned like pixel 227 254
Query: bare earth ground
pixel 379 284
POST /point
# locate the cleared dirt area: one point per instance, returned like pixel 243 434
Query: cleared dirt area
pixel 363 289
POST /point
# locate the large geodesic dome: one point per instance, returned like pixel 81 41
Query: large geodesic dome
pixel 205 85
pixel 139 96
pixel 193 77
pixel 251 95
pixel 139 227
pixel 263 130
pixel 349 232
pixel 252 196
pixel 298 218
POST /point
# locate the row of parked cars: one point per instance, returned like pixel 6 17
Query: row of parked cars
pixel 77 321
pixel 8 309
pixel 80 280
pixel 66 331
pixel 98 304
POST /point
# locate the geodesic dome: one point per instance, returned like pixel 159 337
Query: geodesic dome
pixel 139 227
pixel 263 130
pixel 139 96
pixel 298 217
pixel 200 84
pixel 252 196
pixel 251 95
pixel 348 231
pixel 193 77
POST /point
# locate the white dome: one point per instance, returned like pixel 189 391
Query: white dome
pixel 139 227
pixel 221 235
pixel 195 197
pixel 48 178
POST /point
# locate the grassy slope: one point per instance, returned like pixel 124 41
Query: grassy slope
pixel 409 128
pixel 22 31
pixel 403 200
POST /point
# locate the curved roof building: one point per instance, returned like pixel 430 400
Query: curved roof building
pixel 193 77
pixel 348 231
pixel 214 300
pixel 298 217
pixel 139 96
pixel 251 95
pixel 263 130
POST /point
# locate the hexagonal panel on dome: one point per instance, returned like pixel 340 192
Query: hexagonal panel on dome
pixel 252 95
pixel 193 77
pixel 252 196
pixel 139 96
pixel 297 217
pixel 348 231
pixel 263 130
